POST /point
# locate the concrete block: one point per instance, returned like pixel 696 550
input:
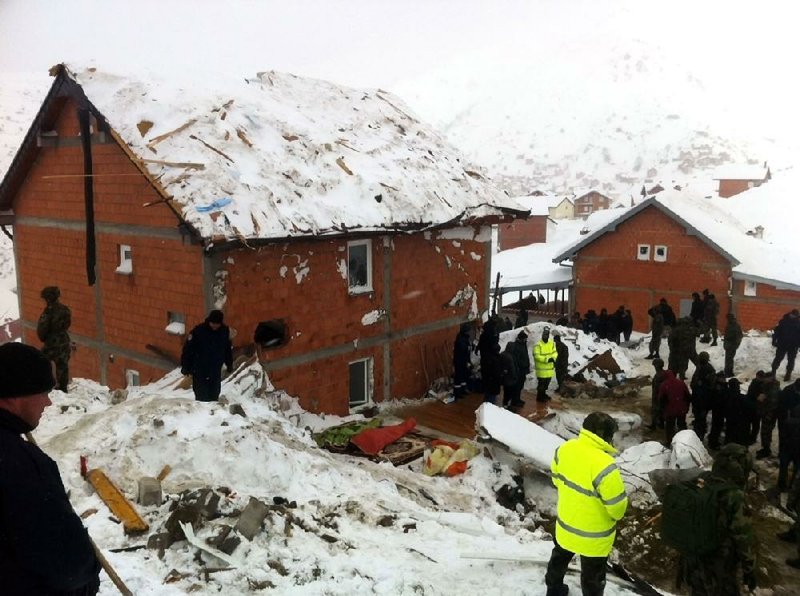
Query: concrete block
pixel 149 491
pixel 237 409
pixel 249 523
pixel 229 544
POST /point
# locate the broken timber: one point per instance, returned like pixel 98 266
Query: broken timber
pixel 116 502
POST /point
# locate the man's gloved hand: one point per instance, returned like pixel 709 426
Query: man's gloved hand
pixel 749 578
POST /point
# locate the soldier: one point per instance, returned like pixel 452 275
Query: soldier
pixel 767 406
pixel 656 412
pixel 682 346
pixel 710 313
pixel 730 342
pixel 666 310
pixel 717 573
pixel 702 384
pixel 786 340
pixel 52 330
pixel 562 361
pixel 656 331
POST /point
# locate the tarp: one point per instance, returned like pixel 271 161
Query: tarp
pixel 372 440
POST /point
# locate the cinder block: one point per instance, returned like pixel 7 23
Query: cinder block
pixel 249 523
pixel 149 491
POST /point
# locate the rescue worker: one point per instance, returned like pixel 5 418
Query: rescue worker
pixel 544 362
pixel 523 365
pixel 767 407
pixel 786 339
pixel 462 349
pixel 656 331
pixel 731 340
pixel 710 314
pixel 716 574
pixel 207 348
pixel 52 328
pixel 591 500
pixel 682 346
pixel 562 361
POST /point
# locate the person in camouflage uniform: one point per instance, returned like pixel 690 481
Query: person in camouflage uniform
pixel 767 406
pixel 703 382
pixel 730 342
pixel 717 573
pixel 682 347
pixel 52 330
pixel 656 331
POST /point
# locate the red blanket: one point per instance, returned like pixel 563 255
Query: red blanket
pixel 372 440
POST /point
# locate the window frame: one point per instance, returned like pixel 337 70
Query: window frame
pixel 132 378
pixel 747 291
pixel 368 383
pixel 368 287
pixel 639 255
pixel 125 255
pixel 656 257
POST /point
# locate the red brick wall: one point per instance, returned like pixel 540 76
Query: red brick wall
pixel 522 232
pixel 765 309
pixel 167 275
pixel 728 188
pixel 593 200
pixel 608 274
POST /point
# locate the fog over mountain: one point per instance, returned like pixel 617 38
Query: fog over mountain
pixel 558 95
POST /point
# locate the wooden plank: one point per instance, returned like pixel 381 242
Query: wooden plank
pixel 117 503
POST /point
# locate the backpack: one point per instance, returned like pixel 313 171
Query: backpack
pixel 689 517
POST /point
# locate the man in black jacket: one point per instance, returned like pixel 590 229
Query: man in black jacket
pixel 207 348
pixel 786 340
pixel 44 548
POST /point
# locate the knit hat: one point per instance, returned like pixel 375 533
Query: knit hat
pixel 24 371
pixel 215 316
pixel 51 293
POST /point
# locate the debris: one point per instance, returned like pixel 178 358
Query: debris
pixel 166 469
pixel 116 502
pixel 195 541
pixel 237 410
pixel 341 164
pixel 166 135
pixel 118 396
pixel 249 523
pixel 149 492
pixel 448 458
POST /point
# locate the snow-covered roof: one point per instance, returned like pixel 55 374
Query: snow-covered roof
pixel 741 172
pixel 538 205
pixel 276 155
pixel 774 258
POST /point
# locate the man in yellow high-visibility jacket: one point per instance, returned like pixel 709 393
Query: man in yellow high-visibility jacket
pixel 591 500
pixel 544 362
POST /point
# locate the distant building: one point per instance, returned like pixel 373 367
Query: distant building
pixel 734 179
pixel 590 202
pixel 669 247
pixel 522 232
pixel 561 208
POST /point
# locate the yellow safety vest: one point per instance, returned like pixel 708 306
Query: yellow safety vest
pixel 542 352
pixel 591 495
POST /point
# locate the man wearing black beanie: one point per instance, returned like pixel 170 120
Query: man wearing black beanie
pixel 207 348
pixel 44 548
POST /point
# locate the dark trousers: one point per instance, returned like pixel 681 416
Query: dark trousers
pixel 790 354
pixel 655 344
pixel 541 388
pixel 206 389
pixel 511 393
pixel 784 459
pixel 670 422
pixel 460 379
pixel 767 426
pixel 717 424
pixel 730 354
pixel 62 373
pixel 593 573
pixel 700 423
pixel 561 374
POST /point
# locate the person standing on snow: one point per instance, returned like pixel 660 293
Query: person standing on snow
pixel 731 340
pixel 544 362
pixel 44 548
pixel 786 339
pixel 591 500
pixel 207 348
pixel 788 433
pixel 656 411
pixel 462 351
pixel 702 384
pixel 682 347
pixel 656 331
pixel 562 361
pixel 675 400
pixel 767 402
pixel 52 330
pixel 710 314
pixel 522 362
pixel 740 415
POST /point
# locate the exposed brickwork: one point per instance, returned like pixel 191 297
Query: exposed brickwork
pixel 765 309
pixel 591 202
pixel 522 232
pixel 729 188
pixel 302 282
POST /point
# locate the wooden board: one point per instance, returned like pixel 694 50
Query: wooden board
pixel 116 502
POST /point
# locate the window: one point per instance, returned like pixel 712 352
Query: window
pixel 359 266
pixel 125 260
pixel 176 323
pixel 660 253
pixel 750 288
pixel 360 382
pixel 643 252
pixel 132 377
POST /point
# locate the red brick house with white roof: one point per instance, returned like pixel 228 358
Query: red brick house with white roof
pixel 659 249
pixel 734 179
pixel 590 202
pixel 328 208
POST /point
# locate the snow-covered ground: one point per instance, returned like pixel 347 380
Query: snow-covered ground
pixel 359 527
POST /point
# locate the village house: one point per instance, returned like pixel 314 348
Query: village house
pixel 674 244
pixel 522 232
pixel 590 202
pixel 331 212
pixel 734 179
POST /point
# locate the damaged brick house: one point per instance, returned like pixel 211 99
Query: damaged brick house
pixel 329 209
pixel 674 244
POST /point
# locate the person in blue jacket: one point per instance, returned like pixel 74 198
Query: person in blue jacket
pixel 44 548
pixel 207 348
